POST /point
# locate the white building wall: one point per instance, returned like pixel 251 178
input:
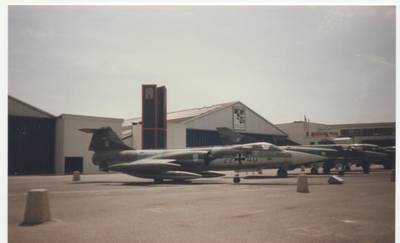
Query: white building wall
pixel 297 132
pixel 137 136
pixel 176 135
pixel 126 134
pixel 224 118
pixel 176 131
pixel 73 143
pixel 59 148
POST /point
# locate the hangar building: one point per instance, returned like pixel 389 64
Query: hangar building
pixel 197 127
pixel 42 143
pixel 31 134
pixel 301 132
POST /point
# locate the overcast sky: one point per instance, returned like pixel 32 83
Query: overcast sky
pixel 333 64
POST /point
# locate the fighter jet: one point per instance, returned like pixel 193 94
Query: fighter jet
pixel 333 156
pixel 375 154
pixel 390 162
pixel 229 137
pixel 344 154
pixel 110 153
pixel 360 154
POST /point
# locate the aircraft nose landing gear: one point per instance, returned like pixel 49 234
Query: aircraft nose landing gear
pixel 236 178
pixel 282 172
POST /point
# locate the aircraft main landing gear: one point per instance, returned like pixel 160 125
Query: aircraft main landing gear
pixel 327 168
pixel 347 166
pixel 314 170
pixel 282 172
pixel 388 165
pixel 236 179
pixel 365 167
pixel 156 180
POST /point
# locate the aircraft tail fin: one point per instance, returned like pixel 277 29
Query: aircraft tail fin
pixel 105 139
pixel 229 136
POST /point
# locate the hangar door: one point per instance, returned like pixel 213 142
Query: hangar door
pixel 30 145
pixel 72 164
pixel 200 138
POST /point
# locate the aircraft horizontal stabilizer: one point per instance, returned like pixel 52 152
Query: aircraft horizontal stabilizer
pixel 146 166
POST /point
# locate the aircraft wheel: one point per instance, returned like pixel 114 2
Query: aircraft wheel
pixel 366 168
pixel 282 173
pixel 327 169
pixel 236 179
pixel 347 167
pixel 387 165
pixel 158 180
pixel 341 172
pixel 314 171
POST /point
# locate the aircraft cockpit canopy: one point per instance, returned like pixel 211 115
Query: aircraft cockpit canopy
pixel 260 146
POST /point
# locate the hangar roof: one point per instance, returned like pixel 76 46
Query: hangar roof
pixel 77 116
pixel 184 115
pixel 17 107
pixel 189 115
pixel 365 125
pixel 341 126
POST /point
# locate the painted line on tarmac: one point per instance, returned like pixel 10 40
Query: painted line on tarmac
pixel 79 191
pixel 136 189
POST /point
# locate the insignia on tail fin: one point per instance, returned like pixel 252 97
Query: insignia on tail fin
pixel 105 139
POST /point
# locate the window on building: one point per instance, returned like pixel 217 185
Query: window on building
pixel 345 133
pixel 384 131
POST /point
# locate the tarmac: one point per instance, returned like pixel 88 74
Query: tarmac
pixel 120 208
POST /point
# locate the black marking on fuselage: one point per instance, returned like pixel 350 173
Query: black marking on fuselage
pixel 239 158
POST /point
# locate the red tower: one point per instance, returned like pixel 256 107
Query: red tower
pixel 154 117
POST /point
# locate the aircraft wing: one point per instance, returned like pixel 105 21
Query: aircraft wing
pixel 154 168
pixel 146 166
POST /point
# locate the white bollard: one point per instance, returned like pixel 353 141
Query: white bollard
pixel 76 176
pixel 393 176
pixel 302 184
pixel 335 180
pixel 37 209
